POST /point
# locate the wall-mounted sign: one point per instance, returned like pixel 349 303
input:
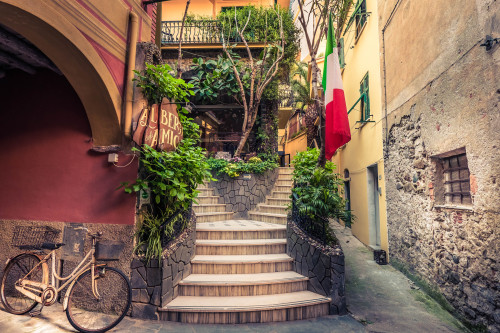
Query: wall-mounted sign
pixel 159 127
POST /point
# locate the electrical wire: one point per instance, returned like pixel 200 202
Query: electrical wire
pixel 126 165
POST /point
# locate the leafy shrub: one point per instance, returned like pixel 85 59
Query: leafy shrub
pixel 237 167
pixel 254 159
pixel 318 191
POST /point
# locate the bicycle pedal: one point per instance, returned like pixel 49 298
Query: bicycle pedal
pixel 35 313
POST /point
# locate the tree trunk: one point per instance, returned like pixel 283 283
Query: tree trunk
pixel 243 141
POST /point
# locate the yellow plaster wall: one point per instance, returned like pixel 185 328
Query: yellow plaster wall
pixel 296 145
pixel 174 10
pixel 365 148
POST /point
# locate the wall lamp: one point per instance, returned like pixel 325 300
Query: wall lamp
pixel 489 42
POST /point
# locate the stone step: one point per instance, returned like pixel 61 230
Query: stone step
pixel 268 217
pixel 245 309
pixel 284 176
pixel 240 246
pixel 274 209
pixel 285 171
pixel 213 217
pixel 204 185
pixel 283 188
pixel 284 182
pixel 240 264
pixel 204 200
pixel 242 284
pixel 206 191
pixel 209 208
pixel 240 229
pixel 281 195
pixel 278 201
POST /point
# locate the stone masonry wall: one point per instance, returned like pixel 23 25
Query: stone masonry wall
pixel 242 195
pixel 154 284
pixel 324 266
pixel 455 249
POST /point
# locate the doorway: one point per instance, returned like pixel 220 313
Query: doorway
pixel 373 207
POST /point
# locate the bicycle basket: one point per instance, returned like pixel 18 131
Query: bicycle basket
pixel 108 250
pixel 31 237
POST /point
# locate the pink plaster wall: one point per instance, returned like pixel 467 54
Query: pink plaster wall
pixel 47 172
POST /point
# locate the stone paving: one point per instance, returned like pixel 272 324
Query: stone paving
pixel 379 299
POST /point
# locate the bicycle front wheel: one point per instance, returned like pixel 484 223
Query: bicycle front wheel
pixel 18 268
pixel 100 311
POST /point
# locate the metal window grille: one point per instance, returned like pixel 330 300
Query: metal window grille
pixel 456 180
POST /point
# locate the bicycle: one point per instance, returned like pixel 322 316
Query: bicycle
pixel 97 298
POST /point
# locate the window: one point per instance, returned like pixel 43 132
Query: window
pixel 453 178
pixel 341 53
pixel 360 13
pixel 365 100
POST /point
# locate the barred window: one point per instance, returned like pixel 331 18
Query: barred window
pixel 454 178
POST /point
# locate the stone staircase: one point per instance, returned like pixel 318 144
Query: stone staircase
pixel 241 272
pixel 274 209
pixel 208 208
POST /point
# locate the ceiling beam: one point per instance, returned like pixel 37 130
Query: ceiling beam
pixel 24 50
pixel 14 62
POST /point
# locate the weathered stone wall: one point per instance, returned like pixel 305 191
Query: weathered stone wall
pixel 323 265
pixel 242 195
pixel 442 95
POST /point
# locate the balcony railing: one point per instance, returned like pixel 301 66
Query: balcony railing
pixel 195 32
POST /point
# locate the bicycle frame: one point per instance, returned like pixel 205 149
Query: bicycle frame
pixel 27 287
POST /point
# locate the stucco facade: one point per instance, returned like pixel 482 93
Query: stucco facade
pixel 442 101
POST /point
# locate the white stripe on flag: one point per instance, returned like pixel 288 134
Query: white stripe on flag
pixel 333 76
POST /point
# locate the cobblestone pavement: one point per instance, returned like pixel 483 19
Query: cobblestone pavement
pixel 379 299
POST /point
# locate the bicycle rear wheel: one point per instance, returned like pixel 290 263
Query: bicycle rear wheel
pixel 14 301
pixel 86 312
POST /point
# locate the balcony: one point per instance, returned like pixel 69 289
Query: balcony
pixel 200 33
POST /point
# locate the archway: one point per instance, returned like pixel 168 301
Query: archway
pixel 75 57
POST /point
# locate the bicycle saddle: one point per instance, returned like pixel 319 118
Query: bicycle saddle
pixel 52 246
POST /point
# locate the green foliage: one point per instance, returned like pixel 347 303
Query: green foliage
pixel 301 87
pixel 264 25
pixel 213 77
pixel 157 82
pixel 235 168
pixel 318 190
pixel 254 159
pixel 272 157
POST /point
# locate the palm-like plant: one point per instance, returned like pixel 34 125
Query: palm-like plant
pixel 301 88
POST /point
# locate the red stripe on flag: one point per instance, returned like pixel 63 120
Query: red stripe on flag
pixel 337 131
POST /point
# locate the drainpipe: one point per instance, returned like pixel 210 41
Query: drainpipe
pixel 128 90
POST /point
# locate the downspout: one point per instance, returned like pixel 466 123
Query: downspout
pixel 129 86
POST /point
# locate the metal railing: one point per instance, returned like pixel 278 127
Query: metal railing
pixel 314 228
pixel 196 32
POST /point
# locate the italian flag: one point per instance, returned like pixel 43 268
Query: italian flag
pixel 337 131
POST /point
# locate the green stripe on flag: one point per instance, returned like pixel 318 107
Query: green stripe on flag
pixel 330 45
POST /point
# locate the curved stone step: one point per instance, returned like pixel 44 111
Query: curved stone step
pixel 240 229
pixel 209 208
pixel 206 191
pixel 240 264
pixel 273 209
pixel 242 284
pixel 246 309
pixel 207 199
pixel 283 188
pixel 284 182
pixel 213 217
pixel 268 217
pixel 281 194
pixel 240 246
pixel 278 201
